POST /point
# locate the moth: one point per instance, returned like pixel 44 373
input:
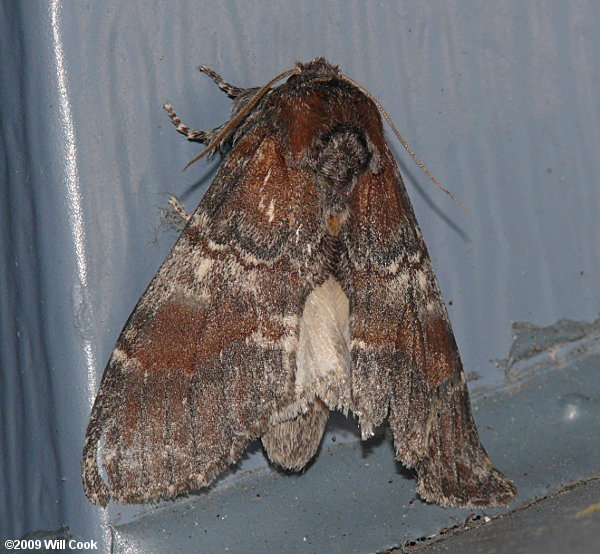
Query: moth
pixel 301 284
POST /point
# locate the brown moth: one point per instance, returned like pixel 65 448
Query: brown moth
pixel 301 284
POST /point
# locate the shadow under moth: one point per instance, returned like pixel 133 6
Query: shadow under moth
pixel 301 284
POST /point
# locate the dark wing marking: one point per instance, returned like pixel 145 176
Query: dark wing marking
pixel 404 354
pixel 207 356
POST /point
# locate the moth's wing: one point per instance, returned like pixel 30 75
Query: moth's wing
pixel 207 356
pixel 403 350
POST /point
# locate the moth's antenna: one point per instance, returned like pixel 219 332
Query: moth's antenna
pixel 242 114
pixel 403 141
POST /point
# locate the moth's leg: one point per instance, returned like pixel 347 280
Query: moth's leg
pixel 229 90
pixel 178 208
pixel 190 134
pixel 174 216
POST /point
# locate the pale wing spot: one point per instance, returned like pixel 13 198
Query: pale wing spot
pixel 258 339
pixel 290 321
pixel 248 279
pixel 358 343
pixel 289 342
pixel 124 360
pixel 130 335
pixel 402 280
pixel 261 202
pixel 188 293
pixel 215 246
pixel 200 220
pixel 422 280
pixel 204 295
pixel 203 268
pixel 271 210
pixel 119 356
pixel 267 177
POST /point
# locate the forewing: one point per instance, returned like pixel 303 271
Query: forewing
pixel 403 350
pixel 208 353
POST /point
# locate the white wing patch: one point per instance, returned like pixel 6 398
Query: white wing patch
pixel 323 359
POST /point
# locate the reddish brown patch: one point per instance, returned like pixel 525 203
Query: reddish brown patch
pixel 271 190
pixel 173 339
pixel 182 337
pixel 376 199
pixel 334 223
pixel 386 322
pixel 233 321
pixel 305 120
pixel 443 352
pixel 133 395
pixel 411 338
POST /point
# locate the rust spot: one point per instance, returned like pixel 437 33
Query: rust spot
pixel 305 120
pixel 173 339
pixel 184 336
pixel 376 199
pixel 124 434
pixel 443 352
pixel 334 223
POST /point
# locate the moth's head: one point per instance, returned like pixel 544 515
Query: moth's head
pixel 319 68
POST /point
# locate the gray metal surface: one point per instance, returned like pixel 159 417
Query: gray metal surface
pixel 566 522
pixel 499 99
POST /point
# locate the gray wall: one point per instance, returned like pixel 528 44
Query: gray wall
pixel 499 99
